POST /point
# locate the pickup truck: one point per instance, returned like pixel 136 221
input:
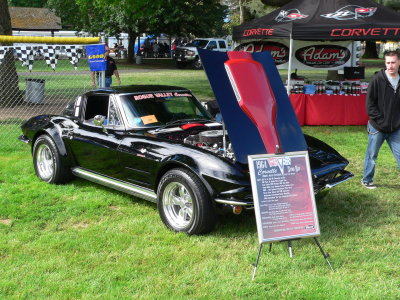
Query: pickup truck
pixel 187 54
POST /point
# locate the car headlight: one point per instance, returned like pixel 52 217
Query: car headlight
pixel 190 53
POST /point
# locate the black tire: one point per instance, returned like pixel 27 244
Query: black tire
pixel 180 64
pixel 197 64
pixel 192 210
pixel 47 162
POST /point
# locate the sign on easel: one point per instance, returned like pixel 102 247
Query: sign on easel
pixel 283 196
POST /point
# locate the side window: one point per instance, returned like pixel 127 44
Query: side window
pixel 212 45
pixel 222 44
pixel 96 105
pixel 113 117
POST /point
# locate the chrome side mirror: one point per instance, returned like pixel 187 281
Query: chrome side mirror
pixel 99 121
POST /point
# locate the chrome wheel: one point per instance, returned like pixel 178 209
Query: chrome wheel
pixel 184 203
pixel 197 64
pixel 47 161
pixel 178 205
pixel 44 162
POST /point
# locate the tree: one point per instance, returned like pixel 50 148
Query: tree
pixel 370 46
pixel 181 17
pixel 9 91
pixel 134 17
pixel 28 3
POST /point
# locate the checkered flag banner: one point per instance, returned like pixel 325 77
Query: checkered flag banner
pixel 50 54
pixel 3 51
pixel 26 54
pixel 74 53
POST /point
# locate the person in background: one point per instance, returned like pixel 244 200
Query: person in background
pixel 156 48
pixel 383 108
pixel 111 69
pixel 173 48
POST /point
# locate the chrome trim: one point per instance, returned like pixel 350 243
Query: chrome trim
pixel 125 187
pixel 233 202
pixel 24 139
pixel 346 175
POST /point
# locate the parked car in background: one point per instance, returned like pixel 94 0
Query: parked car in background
pixel 188 55
pixel 158 143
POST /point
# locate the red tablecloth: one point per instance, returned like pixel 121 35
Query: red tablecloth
pixel 329 109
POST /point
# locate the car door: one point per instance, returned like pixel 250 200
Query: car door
pixel 95 147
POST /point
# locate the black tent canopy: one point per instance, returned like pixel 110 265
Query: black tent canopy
pixel 324 20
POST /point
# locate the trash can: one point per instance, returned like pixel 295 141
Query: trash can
pixel 139 59
pixel 34 92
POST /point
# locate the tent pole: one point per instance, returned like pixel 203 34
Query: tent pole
pixel 290 65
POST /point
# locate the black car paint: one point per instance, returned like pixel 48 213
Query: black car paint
pixel 141 158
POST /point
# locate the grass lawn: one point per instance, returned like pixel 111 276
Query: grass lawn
pixel 85 241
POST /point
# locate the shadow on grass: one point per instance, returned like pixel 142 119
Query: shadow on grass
pixel 389 186
pixel 340 212
pixel 82 183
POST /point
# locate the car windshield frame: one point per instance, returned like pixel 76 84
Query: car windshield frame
pixel 159 109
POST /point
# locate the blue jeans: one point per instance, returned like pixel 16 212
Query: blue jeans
pixel 375 141
pixel 108 81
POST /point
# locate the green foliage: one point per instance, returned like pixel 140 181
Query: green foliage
pixel 180 17
pixel 27 3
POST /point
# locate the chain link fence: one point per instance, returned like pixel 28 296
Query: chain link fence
pixel 36 80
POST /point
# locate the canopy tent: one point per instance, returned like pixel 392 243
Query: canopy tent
pixel 323 20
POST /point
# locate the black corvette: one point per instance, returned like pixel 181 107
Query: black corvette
pixel 158 143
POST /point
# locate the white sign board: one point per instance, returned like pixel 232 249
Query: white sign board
pixel 283 196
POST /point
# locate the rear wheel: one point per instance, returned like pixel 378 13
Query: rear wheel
pixel 47 161
pixel 184 203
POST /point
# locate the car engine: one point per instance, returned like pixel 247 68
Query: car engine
pixel 213 141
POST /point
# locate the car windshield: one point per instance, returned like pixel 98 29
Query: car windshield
pixel 198 43
pixel 162 108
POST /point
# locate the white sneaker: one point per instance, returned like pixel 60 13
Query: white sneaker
pixel 368 185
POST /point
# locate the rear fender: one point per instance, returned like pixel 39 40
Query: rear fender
pixel 55 134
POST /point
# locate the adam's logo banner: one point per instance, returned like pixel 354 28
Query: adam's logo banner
pixel 351 12
pixel 307 55
pixel 323 56
pixel 279 52
pixel 289 15
pixel 96 55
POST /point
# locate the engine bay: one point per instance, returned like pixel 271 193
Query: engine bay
pixel 214 141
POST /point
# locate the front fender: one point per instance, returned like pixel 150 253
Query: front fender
pixel 215 173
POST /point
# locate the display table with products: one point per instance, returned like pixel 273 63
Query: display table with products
pixel 322 109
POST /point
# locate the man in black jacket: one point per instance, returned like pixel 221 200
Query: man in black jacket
pixel 383 108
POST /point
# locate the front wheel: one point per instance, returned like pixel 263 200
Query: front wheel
pixel 184 203
pixel 47 161
pixel 197 64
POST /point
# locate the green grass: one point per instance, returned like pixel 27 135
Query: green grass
pixel 81 240
pixel 84 241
